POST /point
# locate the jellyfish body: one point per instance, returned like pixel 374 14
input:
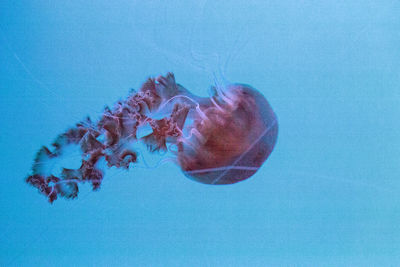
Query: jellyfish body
pixel 222 139
pixel 234 137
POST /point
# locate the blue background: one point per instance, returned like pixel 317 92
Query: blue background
pixel 329 193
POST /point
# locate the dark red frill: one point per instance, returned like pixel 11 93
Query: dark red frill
pixel 119 127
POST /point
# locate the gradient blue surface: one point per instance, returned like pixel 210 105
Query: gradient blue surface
pixel 327 196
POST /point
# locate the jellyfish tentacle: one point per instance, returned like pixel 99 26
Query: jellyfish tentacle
pixel 110 137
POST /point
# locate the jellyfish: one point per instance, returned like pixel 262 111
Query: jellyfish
pixel 217 140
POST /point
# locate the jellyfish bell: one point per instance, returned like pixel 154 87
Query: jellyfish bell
pixel 231 139
pixel 221 139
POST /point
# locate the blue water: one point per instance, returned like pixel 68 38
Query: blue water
pixel 329 195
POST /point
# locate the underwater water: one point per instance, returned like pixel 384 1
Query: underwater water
pixel 327 195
